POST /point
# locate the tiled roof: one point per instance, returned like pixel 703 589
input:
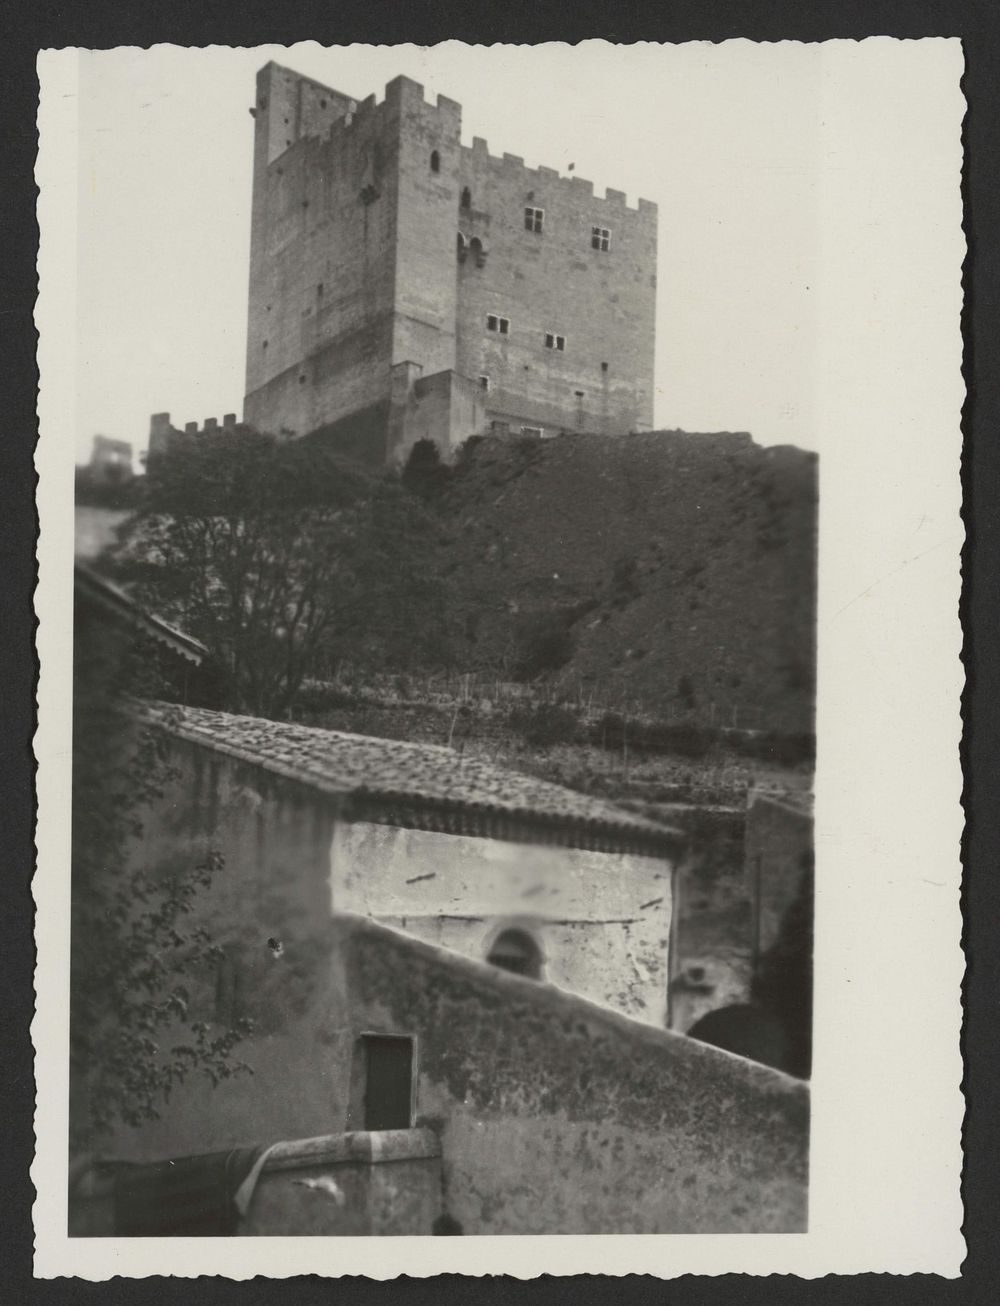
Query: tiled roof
pixel 92 587
pixel 446 790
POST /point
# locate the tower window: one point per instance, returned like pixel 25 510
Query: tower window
pixel 600 238
pixel 484 384
pixel 466 200
pixel 499 324
pixel 534 219
pixel 554 341
pixel 435 161
pixel 604 367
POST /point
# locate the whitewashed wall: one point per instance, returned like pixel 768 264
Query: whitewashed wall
pixel 602 920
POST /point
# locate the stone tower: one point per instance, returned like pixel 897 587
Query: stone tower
pixel 404 286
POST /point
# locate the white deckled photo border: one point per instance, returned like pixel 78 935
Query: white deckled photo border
pixel 884 401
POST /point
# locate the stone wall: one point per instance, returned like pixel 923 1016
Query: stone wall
pixel 601 920
pixel 338 1184
pixel 353 1184
pixel 355 268
pixel 778 852
pixel 272 889
pixel 602 301
pixel 322 267
pixel 557 1116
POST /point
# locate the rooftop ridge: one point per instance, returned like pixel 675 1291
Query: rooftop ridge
pixel 388 774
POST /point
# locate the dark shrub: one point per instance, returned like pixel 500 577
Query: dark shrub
pixel 545 724
pixel 543 642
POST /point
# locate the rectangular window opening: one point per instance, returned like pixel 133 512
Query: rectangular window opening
pixel 484 384
pixel 499 324
pixel 600 238
pixel 534 219
pixel 389 1081
pixel 552 341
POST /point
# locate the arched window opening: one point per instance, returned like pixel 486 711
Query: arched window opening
pixel 466 201
pixel 435 161
pixel 516 951
pixel 477 251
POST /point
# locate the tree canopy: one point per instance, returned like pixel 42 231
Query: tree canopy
pixel 284 560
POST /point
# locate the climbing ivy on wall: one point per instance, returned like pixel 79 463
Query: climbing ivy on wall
pixel 136 949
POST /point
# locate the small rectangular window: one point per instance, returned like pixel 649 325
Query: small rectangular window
pixel 499 324
pixel 534 219
pixel 484 384
pixel 552 341
pixel 600 238
pixel 388 1081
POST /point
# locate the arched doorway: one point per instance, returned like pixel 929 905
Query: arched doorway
pixel 515 950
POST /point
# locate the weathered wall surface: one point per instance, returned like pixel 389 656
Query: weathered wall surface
pixel 355 268
pixel 711 961
pixel 558 1117
pixel 275 839
pixel 554 1114
pixel 446 408
pixel 387 1183
pixel 341 1184
pixel 322 262
pixel 602 920
pixel 778 847
pixel 602 301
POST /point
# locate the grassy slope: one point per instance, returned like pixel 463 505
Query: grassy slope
pixel 685 566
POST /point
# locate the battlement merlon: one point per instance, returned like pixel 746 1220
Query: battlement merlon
pixel 271 70
pixel 478 153
pixel 405 96
pixel 290 107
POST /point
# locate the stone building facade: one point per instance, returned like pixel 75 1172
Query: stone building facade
pixel 406 286
pixel 409 1077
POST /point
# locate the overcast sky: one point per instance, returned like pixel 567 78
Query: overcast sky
pixel 736 143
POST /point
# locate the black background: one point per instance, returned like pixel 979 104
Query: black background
pixel 103 24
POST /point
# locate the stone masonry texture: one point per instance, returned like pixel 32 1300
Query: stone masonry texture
pixel 382 247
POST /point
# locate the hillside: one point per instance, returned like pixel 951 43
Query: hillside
pixel 668 572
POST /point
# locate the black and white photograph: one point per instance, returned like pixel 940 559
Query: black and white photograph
pixel 492 526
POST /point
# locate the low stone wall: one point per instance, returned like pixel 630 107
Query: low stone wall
pixel 360 1183
pixel 357 1183
pixel 558 1116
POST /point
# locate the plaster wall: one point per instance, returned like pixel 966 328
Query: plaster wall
pixel 273 884
pixel 602 920
pixel 558 1116
pixel 354 1184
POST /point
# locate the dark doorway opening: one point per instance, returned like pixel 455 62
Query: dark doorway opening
pixel 515 950
pixel 388 1081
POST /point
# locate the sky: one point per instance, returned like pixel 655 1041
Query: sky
pixel 734 142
